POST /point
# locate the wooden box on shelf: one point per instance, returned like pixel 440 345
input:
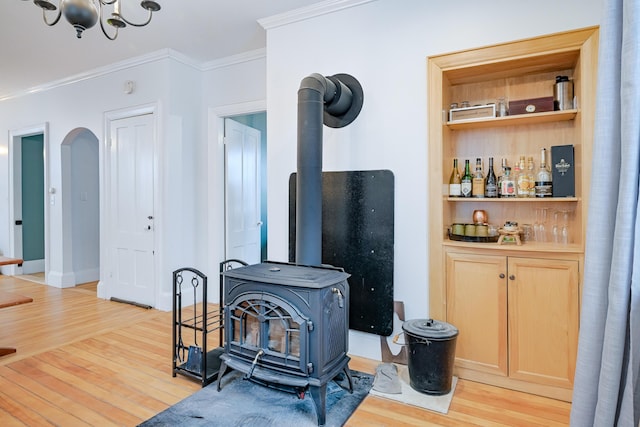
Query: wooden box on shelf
pixel 528 106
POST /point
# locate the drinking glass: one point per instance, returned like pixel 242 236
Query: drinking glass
pixel 540 226
pixel 556 227
pixel 565 237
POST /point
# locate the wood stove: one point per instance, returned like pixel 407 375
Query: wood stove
pixel 287 326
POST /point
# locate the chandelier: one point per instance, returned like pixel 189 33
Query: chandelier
pixel 83 14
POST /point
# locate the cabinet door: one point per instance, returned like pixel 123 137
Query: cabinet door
pixel 543 320
pixel 477 306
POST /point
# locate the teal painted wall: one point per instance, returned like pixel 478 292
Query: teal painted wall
pixel 32 198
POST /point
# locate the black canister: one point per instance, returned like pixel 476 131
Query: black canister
pixel 431 355
pixel 563 93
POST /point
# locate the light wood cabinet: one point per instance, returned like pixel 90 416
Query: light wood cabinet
pixel 543 311
pixel 499 341
pixel 477 306
pixel 517 316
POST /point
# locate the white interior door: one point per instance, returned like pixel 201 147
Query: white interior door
pixel 242 192
pixel 131 246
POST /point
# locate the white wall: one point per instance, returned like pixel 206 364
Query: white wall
pixel 65 108
pixel 235 87
pixel 384 44
pixel 182 195
pixel 84 204
pixel 174 87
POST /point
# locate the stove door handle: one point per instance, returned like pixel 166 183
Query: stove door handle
pixel 254 363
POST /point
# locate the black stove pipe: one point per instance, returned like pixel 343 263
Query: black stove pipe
pixel 335 101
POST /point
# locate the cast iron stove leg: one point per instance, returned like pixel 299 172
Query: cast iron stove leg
pixel 221 372
pixel 319 397
pixel 347 372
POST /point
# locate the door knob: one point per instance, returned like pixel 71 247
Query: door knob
pixel 512 277
pixel 150 217
pixel 502 275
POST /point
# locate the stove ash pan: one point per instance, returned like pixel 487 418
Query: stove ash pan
pixel 287 325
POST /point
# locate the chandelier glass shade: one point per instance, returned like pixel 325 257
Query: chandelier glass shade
pixel 84 14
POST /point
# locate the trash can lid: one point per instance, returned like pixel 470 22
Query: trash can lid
pixel 429 328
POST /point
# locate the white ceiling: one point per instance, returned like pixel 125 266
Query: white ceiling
pixel 33 54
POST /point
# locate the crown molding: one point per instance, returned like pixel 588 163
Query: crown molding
pixel 248 56
pixel 309 12
pixel 268 23
pixel 141 60
pixel 107 69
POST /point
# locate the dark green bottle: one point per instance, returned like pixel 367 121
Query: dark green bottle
pixel 466 184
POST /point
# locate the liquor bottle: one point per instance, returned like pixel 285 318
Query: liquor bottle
pixel 532 177
pixel 544 186
pixel 508 184
pixel 515 171
pixel 466 181
pixel 522 179
pixel 455 181
pixel 503 167
pixel 477 184
pixel 491 186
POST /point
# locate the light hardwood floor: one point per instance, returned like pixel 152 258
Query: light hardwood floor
pixel 86 361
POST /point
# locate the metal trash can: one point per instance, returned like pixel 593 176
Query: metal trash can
pixel 432 350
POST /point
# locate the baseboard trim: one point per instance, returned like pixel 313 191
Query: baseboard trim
pixel 553 392
pixel 85 276
pixel 61 280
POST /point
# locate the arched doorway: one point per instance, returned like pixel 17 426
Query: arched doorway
pixel 80 198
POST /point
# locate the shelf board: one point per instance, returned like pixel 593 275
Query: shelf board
pixel 512 199
pixel 525 247
pixel 520 119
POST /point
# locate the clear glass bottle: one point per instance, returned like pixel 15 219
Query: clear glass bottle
pixel 544 186
pixel 515 171
pixel 491 184
pixel 455 181
pixel 532 177
pixel 477 184
pixel 466 181
pixel 501 108
pixel 508 185
pixel 522 179
pixel 503 167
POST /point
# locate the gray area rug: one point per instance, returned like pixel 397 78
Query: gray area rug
pixel 244 403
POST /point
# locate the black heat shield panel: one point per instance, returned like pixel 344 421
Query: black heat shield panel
pixel 357 235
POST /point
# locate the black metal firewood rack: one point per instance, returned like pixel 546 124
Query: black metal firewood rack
pixel 192 323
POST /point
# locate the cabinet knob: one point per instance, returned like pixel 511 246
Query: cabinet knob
pixel 512 277
pixel 502 275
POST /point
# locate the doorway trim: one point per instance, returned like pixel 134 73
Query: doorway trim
pixel 106 265
pixel 216 175
pixel 15 140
